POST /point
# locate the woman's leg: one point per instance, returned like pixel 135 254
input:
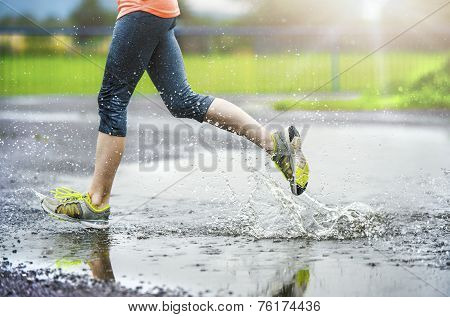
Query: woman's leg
pixel 166 69
pixel 107 159
pixel 135 37
pixel 230 117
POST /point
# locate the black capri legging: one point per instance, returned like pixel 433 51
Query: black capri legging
pixel 144 42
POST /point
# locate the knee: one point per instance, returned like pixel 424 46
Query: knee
pixel 187 104
pixel 112 109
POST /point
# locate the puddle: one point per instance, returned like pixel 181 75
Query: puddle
pixel 374 220
pixel 38 117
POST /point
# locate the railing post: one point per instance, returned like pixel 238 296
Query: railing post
pixel 335 70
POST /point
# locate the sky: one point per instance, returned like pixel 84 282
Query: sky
pixel 61 8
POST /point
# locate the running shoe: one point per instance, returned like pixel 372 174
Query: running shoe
pixel 70 205
pixel 289 159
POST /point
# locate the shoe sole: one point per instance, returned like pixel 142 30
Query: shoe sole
pixel 295 189
pixel 94 224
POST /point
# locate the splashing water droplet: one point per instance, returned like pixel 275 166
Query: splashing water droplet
pixel 271 212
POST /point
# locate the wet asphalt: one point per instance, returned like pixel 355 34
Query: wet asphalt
pixel 192 213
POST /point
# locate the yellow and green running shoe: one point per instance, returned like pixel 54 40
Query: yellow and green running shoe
pixel 289 159
pixel 74 206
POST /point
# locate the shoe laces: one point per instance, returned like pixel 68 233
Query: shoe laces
pixel 66 195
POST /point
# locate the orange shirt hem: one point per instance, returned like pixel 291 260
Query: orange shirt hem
pixel 159 13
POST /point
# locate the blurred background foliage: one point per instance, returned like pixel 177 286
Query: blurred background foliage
pixel 287 47
pixel 254 12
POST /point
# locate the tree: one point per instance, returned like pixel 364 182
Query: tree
pixel 92 13
pixel 351 13
pixel 298 12
pixel 187 17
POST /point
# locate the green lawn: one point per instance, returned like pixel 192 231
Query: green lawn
pixel 240 73
pixel 362 103
pixel 431 90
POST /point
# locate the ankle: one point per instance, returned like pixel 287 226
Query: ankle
pixel 99 200
pixel 268 146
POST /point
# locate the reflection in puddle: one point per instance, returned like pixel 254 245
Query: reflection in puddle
pixel 297 286
pixel 91 248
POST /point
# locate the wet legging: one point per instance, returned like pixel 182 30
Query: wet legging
pixel 144 42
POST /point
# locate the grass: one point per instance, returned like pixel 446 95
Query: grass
pixel 432 90
pixel 232 73
pixel 365 102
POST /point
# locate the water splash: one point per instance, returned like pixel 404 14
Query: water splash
pixel 271 212
pixel 37 194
